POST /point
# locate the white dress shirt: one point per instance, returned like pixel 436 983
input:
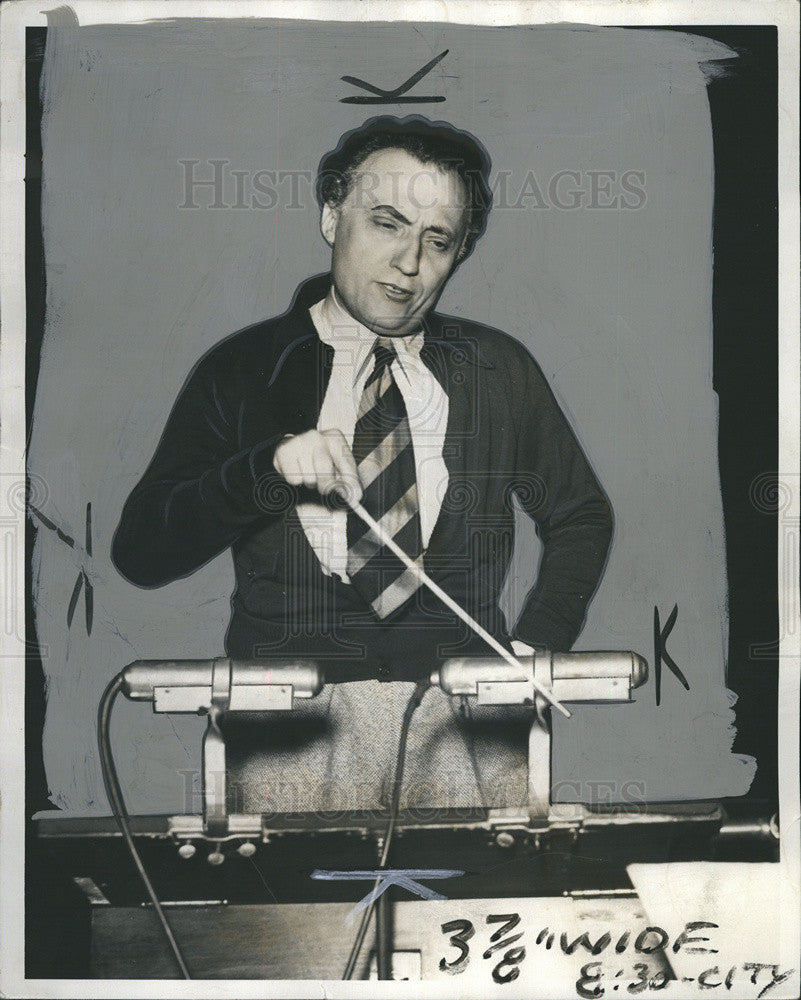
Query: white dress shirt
pixel 426 405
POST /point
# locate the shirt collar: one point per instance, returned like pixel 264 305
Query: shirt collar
pixel 338 328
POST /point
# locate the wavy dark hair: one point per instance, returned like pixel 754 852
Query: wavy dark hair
pixel 438 143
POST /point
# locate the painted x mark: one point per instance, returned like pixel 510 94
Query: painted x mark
pixel 83 582
pixel 385 877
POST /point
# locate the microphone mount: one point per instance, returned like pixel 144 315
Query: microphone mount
pixel 216 687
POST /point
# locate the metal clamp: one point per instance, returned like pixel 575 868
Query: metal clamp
pixel 539 744
pixel 593 676
pixel 217 687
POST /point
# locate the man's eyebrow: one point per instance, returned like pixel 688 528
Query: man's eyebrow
pixel 391 211
pixel 440 230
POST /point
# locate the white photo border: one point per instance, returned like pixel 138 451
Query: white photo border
pixel 15 17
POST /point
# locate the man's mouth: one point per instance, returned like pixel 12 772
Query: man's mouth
pixel 395 292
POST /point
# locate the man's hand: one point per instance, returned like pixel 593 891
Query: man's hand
pixel 320 460
pixel 521 649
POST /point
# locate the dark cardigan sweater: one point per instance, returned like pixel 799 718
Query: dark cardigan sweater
pixel 211 484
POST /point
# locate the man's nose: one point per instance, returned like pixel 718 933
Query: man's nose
pixel 407 257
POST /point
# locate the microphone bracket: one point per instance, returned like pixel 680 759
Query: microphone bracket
pixel 216 687
pixel 590 677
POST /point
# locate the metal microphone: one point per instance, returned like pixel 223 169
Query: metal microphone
pixel 229 685
pixel 604 676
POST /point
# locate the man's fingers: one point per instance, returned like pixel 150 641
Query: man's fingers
pixel 297 477
pixel 347 475
pixel 319 460
pixel 288 469
pixel 283 462
pixel 324 470
pixel 295 472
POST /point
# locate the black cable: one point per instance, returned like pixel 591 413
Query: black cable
pixel 114 793
pixel 466 713
pixel 411 707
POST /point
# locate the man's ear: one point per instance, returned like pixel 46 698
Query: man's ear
pixel 328 223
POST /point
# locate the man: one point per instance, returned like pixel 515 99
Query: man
pixel 362 390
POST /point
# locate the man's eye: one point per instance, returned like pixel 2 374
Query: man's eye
pixel 386 224
pixel 439 245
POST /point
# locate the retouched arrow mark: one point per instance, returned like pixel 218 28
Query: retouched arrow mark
pixel 83 581
pixel 53 527
pixel 394 96
pixel 89 590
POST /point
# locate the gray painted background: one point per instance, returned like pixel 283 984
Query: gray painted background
pixel 614 304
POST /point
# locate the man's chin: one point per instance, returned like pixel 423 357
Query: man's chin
pixel 382 321
pixel 403 332
pixel 388 325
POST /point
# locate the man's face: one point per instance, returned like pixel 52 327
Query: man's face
pixel 395 240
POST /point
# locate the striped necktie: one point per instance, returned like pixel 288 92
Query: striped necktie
pixel 382 447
